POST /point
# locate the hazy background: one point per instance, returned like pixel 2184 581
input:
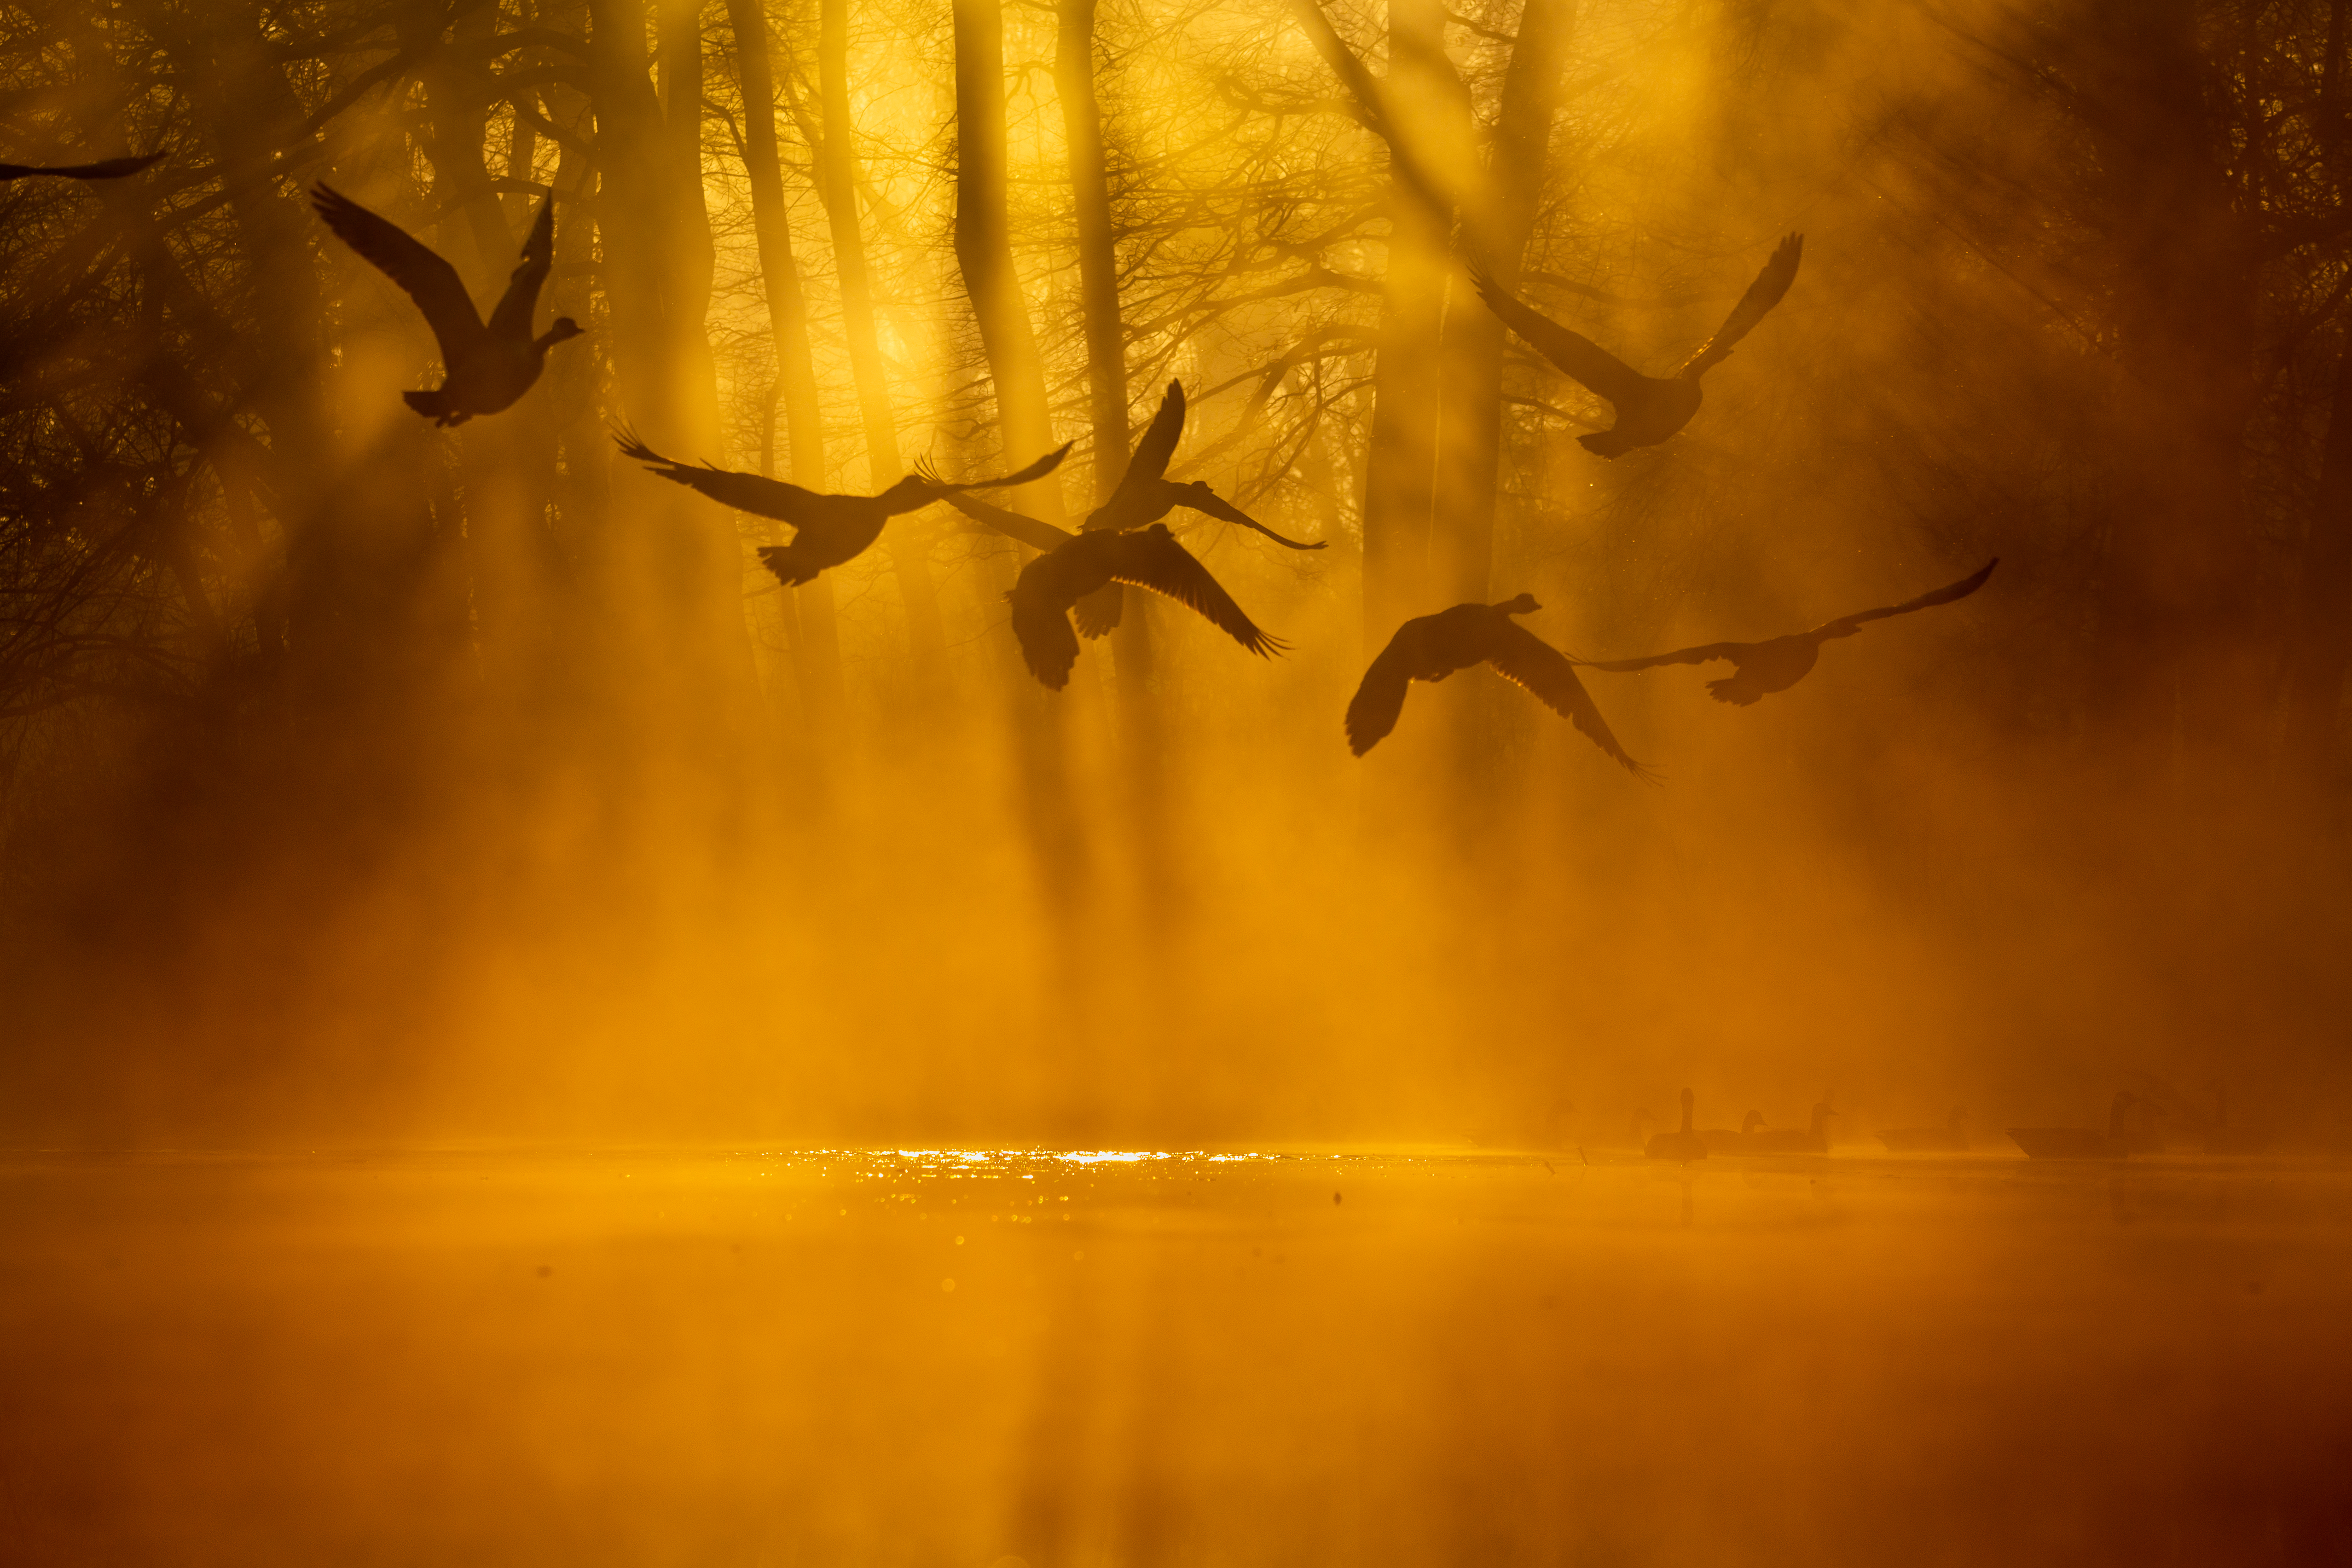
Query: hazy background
pixel 364 783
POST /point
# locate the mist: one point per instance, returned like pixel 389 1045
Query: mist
pixel 372 783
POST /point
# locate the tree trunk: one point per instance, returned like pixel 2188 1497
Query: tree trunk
pixel 809 608
pixel 2320 635
pixel 837 183
pixel 983 247
pixel 1141 746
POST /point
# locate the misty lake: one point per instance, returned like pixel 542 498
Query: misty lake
pixel 955 1358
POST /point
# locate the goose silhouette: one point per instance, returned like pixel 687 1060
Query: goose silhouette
pixel 104 169
pixel 1049 586
pixel 1684 1145
pixel 1649 408
pixel 485 366
pixel 1431 647
pixel 1760 669
pixel 828 530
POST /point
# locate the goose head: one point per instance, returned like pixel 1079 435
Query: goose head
pixel 1523 604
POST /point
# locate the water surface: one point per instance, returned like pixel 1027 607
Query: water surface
pixel 956 1357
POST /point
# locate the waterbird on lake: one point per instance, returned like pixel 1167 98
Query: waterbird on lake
pixel 1815 1140
pixel 1952 1138
pixel 485 366
pixel 1724 1141
pixel 829 529
pixel 1149 558
pixel 1431 647
pixel 1649 408
pixel 2127 1132
pixel 1760 668
pixel 1684 1145
pixel 104 169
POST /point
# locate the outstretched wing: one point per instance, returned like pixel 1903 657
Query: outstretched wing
pixel 512 317
pixel 1698 655
pixel 1847 625
pixel 1037 470
pixel 432 282
pixel 1201 498
pixel 1573 352
pixel 1153 559
pixel 1522 656
pixel 1150 463
pixel 1379 696
pixel 105 169
pixel 1099 613
pixel 1037 536
pixel 1763 294
pixel 752 493
pixel 1041 623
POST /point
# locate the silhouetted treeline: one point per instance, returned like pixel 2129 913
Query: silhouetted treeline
pixel 335 750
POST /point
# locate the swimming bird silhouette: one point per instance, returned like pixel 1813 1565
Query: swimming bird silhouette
pixel 1949 1139
pixel 1724 1141
pixel 1649 408
pixel 1149 557
pixel 1431 647
pixel 1686 1145
pixel 2127 1132
pixel 485 366
pixel 1761 668
pixel 104 169
pixel 1815 1140
pixel 831 529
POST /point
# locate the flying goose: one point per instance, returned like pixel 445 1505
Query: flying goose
pixel 831 529
pixel 1649 408
pixel 485 366
pixel 105 169
pixel 1758 668
pixel 1431 647
pixel 1149 557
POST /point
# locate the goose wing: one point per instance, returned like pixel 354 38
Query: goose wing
pixel 1152 558
pixel 1150 463
pixel 432 282
pixel 1521 656
pixel 1201 498
pixel 1041 619
pixel 1698 655
pixel 104 169
pixel 1037 536
pixel 1379 696
pixel 1099 613
pixel 1599 370
pixel 516 306
pixel 1037 470
pixel 753 493
pixel 1847 625
pixel 1756 304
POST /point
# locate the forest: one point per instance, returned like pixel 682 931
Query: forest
pixel 362 779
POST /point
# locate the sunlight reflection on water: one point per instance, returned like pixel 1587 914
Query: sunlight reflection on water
pixel 1110 1356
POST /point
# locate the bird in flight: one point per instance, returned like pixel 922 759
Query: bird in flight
pixel 1649 408
pixel 829 529
pixel 1760 668
pixel 1084 564
pixel 105 169
pixel 1431 647
pixel 485 366
pixel 1145 495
